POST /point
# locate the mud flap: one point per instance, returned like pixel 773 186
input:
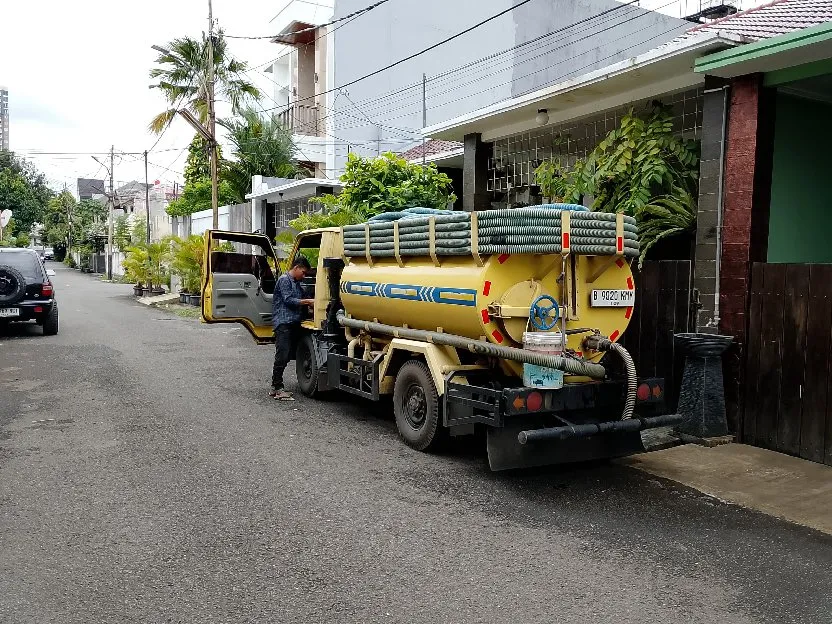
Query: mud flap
pixel 506 453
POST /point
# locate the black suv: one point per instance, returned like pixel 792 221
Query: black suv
pixel 26 292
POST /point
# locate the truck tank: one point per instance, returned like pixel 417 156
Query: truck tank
pixel 490 301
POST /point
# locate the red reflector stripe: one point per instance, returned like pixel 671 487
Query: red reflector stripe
pixel 486 288
pixel 38 310
pixel 502 258
pixel 497 335
pixel 630 283
pixel 628 312
pixel 619 244
pixel 620 263
pixel 615 335
pixel 565 240
pixel 485 318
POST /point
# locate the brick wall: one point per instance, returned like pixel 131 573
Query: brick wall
pixel 747 189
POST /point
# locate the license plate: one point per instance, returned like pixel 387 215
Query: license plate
pixel 9 312
pixel 612 298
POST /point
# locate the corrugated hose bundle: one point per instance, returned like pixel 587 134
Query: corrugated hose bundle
pixel 534 230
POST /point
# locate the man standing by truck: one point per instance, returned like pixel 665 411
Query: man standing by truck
pixel 287 305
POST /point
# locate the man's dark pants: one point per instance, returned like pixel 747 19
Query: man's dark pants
pixel 286 341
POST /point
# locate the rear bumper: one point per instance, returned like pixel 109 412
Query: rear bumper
pixel 30 310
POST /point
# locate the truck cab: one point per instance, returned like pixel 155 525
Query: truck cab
pixel 238 286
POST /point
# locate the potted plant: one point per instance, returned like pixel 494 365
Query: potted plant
pixel 187 263
pixel 158 255
pixel 135 266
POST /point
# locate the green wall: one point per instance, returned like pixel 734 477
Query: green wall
pixel 800 224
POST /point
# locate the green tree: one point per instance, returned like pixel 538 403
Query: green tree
pixel 388 183
pixel 121 232
pixel 138 231
pixel 181 75
pixel 23 190
pixel 372 186
pixel 198 163
pixel 197 196
pixel 261 145
pixel 91 211
pixel 60 213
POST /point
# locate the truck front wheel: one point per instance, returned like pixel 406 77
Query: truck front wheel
pixel 306 366
pixel 416 405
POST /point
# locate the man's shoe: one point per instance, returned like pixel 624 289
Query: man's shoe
pixel 282 395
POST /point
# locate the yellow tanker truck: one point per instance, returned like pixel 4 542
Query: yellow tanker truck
pixel 506 321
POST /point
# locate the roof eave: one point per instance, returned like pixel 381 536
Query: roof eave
pixel 690 46
pixel 803 46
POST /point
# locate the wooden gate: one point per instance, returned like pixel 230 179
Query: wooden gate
pixel 662 308
pixel 788 399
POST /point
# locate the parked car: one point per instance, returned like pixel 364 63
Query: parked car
pixel 26 292
pixel 48 253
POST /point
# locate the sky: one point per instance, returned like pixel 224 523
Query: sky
pixel 77 74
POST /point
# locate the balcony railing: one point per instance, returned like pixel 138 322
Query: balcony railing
pixel 300 119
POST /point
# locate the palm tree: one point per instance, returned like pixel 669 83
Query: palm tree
pixel 261 145
pixel 182 74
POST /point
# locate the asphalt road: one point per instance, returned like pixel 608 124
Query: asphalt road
pixel 145 476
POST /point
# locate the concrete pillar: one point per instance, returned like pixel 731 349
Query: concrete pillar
pixel 475 195
pixel 747 195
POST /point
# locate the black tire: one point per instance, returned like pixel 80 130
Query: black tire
pixel 416 406
pixel 50 322
pixel 12 285
pixel 306 366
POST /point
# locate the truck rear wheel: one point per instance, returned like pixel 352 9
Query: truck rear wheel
pixel 306 366
pixel 416 405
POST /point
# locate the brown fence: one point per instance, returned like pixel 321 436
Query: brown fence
pixel 788 399
pixel 662 308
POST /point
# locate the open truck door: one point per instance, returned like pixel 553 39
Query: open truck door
pixel 238 283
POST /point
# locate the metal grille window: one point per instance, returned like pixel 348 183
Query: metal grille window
pixel 285 211
pixel 514 158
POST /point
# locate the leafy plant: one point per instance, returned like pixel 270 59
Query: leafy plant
pixel 121 232
pixel 136 264
pixel 187 262
pixel 182 73
pixel 261 146
pixel 388 183
pixel 666 216
pixel 197 196
pixel 158 257
pixel 640 168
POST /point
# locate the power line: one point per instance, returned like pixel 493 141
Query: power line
pixel 420 52
pixel 312 28
pixel 437 81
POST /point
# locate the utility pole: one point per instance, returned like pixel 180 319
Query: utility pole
pixel 424 113
pixel 112 205
pixel 146 199
pixel 212 118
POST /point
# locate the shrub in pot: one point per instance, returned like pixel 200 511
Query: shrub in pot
pixel 136 267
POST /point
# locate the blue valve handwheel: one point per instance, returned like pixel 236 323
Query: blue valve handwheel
pixel 544 317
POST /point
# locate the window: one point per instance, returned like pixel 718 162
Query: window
pixel 27 263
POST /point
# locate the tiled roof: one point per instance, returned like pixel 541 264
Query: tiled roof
pixel 772 19
pixel 431 148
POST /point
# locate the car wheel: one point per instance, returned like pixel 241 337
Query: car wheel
pixel 50 323
pixel 416 406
